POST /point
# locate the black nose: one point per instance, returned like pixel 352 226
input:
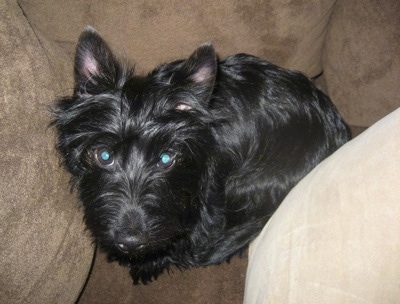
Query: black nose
pixel 130 242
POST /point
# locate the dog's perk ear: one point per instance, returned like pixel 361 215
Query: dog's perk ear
pixel 96 69
pixel 200 71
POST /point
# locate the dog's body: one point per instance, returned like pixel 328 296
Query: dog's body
pixel 185 165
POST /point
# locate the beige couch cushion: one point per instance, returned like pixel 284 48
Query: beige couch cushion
pixel 336 237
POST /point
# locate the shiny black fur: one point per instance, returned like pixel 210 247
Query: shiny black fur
pixel 184 166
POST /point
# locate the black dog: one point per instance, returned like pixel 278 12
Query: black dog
pixel 185 165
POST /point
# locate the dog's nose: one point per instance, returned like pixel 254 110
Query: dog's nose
pixel 129 243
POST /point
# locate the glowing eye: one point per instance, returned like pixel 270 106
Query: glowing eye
pixel 104 157
pixel 165 160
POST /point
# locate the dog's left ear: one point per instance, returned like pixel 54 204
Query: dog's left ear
pixel 96 68
pixel 200 71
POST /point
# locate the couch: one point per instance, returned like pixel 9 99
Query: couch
pixel 335 238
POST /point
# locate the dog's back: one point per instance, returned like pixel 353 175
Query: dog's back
pixel 272 126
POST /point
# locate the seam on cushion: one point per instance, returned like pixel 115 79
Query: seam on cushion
pixel 34 31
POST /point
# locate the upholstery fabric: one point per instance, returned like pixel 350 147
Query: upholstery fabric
pixel 213 284
pixel 149 32
pixel 361 59
pixel 44 253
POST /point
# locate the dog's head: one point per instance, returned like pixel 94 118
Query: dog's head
pixel 137 147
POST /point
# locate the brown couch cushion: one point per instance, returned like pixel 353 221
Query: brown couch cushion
pixel 362 59
pixel 44 254
pixel 151 31
pixel 222 284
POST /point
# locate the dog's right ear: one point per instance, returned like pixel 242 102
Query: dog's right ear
pixel 96 69
pixel 200 71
